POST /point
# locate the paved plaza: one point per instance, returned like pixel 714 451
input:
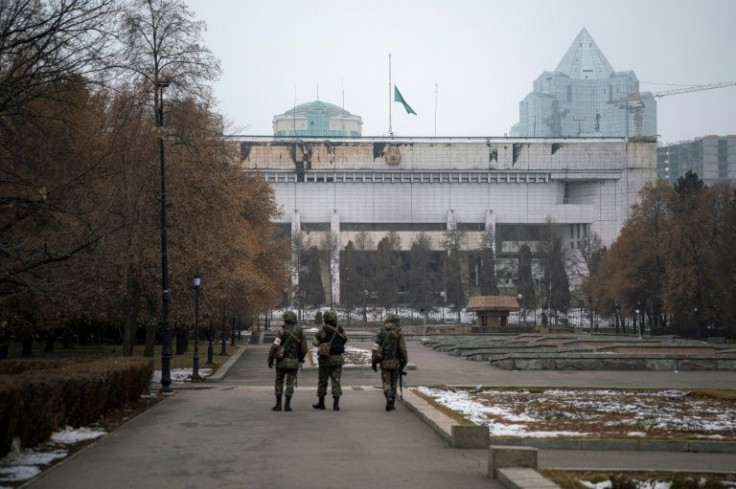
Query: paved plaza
pixel 224 434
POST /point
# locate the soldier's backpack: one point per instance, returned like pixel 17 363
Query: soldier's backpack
pixel 387 351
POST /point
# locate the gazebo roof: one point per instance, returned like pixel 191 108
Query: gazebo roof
pixel 481 303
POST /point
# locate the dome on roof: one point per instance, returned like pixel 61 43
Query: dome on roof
pixel 317 118
pixel 317 105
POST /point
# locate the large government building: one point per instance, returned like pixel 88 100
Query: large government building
pixel 584 96
pixel 507 186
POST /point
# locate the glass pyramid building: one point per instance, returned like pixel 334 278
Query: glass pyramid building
pixel 585 97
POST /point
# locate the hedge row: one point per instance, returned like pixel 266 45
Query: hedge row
pixel 37 402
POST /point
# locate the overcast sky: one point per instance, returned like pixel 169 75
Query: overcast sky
pixel 484 55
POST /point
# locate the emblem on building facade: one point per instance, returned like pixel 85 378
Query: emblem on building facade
pixel 392 156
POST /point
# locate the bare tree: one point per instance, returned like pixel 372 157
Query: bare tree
pixel 163 44
pixel 43 44
pixel 299 246
pixel 365 249
pixel 455 289
pixel 329 256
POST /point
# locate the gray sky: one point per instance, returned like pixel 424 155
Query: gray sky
pixel 484 55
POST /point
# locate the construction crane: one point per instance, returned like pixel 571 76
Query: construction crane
pixel 633 101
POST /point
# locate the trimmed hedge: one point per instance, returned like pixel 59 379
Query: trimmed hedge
pixel 36 402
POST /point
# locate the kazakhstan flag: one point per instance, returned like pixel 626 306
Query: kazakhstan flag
pixel 400 99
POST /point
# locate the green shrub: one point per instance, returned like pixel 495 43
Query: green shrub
pixel 38 401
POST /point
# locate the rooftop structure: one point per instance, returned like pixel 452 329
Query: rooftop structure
pixel 319 119
pixel 585 97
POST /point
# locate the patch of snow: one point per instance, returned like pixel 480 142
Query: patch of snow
pixel 30 457
pixel 180 375
pixel 18 473
pixel 21 465
pixel 354 357
pixel 582 412
pixel 597 485
pixel 70 436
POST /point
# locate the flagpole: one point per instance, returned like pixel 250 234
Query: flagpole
pixel 390 128
pixel 436 92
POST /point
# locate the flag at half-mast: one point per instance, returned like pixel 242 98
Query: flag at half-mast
pixel 400 99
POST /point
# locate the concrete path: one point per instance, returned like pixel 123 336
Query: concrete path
pixel 224 434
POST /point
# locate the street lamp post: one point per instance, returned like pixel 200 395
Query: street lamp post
pixel 617 311
pixel 165 328
pixel 697 325
pixel 520 298
pixel 195 361
pixel 365 306
pixel 210 339
pixel 444 301
pixel 424 324
pixel 636 319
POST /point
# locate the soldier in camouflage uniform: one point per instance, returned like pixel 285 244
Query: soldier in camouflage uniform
pixel 288 350
pixel 389 350
pixel 330 367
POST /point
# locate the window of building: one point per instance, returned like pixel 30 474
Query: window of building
pixel 315 226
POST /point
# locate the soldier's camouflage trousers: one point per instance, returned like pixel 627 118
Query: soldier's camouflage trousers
pixel 329 373
pixel 287 377
pixel 390 380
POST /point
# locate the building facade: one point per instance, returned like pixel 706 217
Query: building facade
pixel 319 119
pixel 584 96
pixel 507 188
pixel 712 158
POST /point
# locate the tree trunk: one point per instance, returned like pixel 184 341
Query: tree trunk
pixel 27 342
pixel 150 340
pixel 49 342
pixel 131 310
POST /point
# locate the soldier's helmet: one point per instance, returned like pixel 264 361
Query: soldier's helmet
pixel 330 317
pixel 393 319
pixel 289 317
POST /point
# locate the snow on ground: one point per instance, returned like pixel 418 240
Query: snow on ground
pixel 591 412
pixel 650 484
pixel 180 375
pixel 24 464
pixel 354 357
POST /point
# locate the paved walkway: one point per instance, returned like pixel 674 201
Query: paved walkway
pixel 224 434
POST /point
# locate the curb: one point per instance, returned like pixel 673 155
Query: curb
pixel 443 426
pixel 214 378
pixel 222 371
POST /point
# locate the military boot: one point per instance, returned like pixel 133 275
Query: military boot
pixel 335 403
pixel 287 404
pixel 389 402
pixel 277 407
pixel 320 404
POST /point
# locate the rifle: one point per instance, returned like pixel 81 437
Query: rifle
pixel 401 383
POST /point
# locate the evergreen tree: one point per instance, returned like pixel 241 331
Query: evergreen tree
pixel 389 270
pixel 421 275
pixel 487 268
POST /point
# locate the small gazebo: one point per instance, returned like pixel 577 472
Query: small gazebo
pixel 492 310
